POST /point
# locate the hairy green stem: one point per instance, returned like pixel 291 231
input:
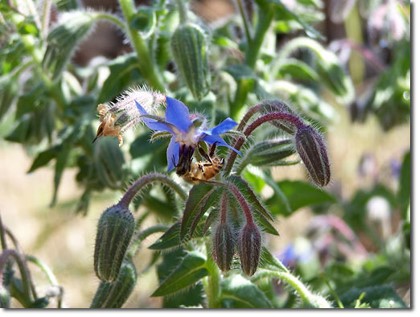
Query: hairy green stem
pixel 265 16
pixel 111 18
pixel 182 9
pixel 139 238
pixel 245 21
pixel 212 282
pixel 304 293
pixel 146 63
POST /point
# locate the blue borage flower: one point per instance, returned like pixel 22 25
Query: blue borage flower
pixel 186 129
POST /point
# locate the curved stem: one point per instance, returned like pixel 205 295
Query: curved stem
pixel 288 117
pixel 2 236
pixel 244 205
pixel 136 241
pixel 111 18
pixel 304 293
pixel 146 180
pixel 146 64
pixel 28 288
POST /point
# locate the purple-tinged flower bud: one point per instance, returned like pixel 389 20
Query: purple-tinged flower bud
pixel 223 246
pixel 249 247
pixel 312 150
pixel 115 229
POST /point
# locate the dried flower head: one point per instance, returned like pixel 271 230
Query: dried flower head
pixel 116 118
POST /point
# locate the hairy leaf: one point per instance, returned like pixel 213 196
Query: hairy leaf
pixel 189 271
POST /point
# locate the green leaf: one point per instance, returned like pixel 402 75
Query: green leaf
pixel 144 20
pixel 8 93
pixel 268 261
pixel 189 271
pixel 297 70
pixel 169 239
pixel 405 183
pixel 270 153
pixel 283 13
pixel 376 296
pixel 299 194
pixel 124 71
pixel 60 165
pixel 45 157
pixel 200 198
pixel 238 292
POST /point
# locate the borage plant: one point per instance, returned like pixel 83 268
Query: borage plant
pixel 220 231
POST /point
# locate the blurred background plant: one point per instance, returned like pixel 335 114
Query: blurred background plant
pixel 344 66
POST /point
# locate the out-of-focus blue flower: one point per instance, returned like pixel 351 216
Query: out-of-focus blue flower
pixel 186 129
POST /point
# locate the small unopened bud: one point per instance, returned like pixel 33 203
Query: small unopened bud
pixel 312 150
pixel 223 246
pixel 4 297
pixel 115 294
pixel 115 229
pixel 249 247
pixel 189 47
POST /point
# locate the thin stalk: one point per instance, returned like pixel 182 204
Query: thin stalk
pixel 244 205
pixel 147 67
pixel 142 235
pixel 245 21
pixel 111 18
pixel 28 288
pixel 304 293
pixel 291 118
pixel 239 100
pixel 182 9
pixel 146 180
pixel 50 276
pixel 45 16
pixel 212 282
pixel 265 16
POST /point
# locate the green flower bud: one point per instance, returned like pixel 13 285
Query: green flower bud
pixel 249 247
pixel 189 47
pixel 312 150
pixel 223 246
pixel 115 294
pixel 115 229
pixel 4 297
pixel 108 162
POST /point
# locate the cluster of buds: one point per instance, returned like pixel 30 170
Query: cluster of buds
pixel 248 240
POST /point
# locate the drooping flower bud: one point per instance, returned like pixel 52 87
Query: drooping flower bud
pixel 312 150
pixel 223 246
pixel 115 229
pixel 249 247
pixel 189 47
pixel 115 294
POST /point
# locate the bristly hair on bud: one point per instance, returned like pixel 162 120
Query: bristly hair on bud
pixel 311 148
pixel 249 247
pixel 223 246
pixel 116 118
pixel 115 229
